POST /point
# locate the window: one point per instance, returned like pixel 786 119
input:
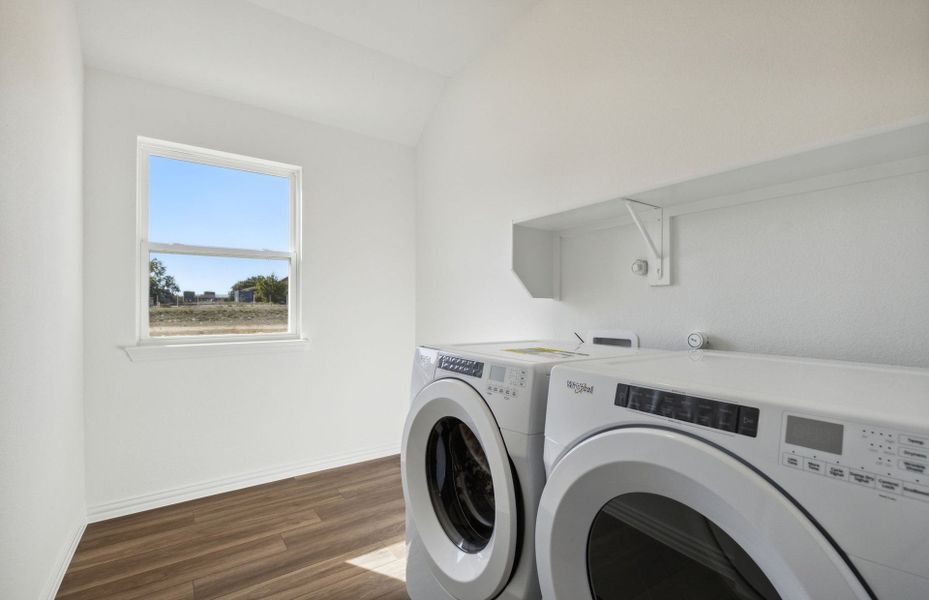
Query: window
pixel 219 240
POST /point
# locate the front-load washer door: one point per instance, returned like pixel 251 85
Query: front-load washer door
pixel 644 512
pixel 459 489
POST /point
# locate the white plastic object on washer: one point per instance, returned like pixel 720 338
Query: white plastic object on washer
pixel 622 338
pixel 697 340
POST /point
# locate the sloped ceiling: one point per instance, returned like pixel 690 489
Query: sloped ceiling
pixel 437 35
pixel 376 67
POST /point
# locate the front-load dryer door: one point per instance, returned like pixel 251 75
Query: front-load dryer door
pixel 459 489
pixel 644 512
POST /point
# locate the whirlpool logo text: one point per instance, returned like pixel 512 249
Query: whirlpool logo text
pixel 580 388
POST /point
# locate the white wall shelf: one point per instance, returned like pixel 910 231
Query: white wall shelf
pixel 536 250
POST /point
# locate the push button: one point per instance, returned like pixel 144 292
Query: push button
pixel 727 417
pixel 914 453
pixel 913 467
pixel 651 402
pixel 669 405
pixel 685 409
pixel 792 460
pixel 814 466
pixel 912 490
pixel 861 478
pixel 636 395
pixel 912 440
pixel 706 410
pixel 748 421
pixel 837 472
pixel 887 484
pixel 622 395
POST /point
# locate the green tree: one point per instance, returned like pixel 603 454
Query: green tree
pixel 269 288
pixel 245 284
pixel 161 286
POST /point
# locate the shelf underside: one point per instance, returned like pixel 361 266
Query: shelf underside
pixel 536 241
pixel 864 156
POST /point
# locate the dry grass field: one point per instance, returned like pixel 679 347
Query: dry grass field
pixel 219 318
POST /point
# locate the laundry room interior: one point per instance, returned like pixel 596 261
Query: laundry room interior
pixel 464 299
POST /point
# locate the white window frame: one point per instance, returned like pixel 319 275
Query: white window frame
pixel 148 147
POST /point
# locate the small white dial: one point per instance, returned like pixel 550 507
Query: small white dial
pixel 697 340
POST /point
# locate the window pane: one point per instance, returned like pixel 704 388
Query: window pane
pixel 210 295
pixel 203 205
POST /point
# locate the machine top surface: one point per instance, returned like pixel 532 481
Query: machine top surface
pixel 538 352
pixel 883 392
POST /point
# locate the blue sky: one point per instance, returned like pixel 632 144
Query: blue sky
pixel 191 203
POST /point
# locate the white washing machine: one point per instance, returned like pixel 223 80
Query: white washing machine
pixel 722 475
pixel 472 465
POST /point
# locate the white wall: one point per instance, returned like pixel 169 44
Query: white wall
pixel 167 427
pixel 840 273
pixel 41 416
pixel 584 100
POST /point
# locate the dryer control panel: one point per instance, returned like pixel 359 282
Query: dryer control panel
pixel 725 416
pixel 891 462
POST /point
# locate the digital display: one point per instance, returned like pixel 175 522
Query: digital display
pixel 497 373
pixel 815 435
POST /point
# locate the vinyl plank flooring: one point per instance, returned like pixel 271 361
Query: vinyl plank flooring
pixel 336 534
pixel 297 583
pixel 150 520
pixel 314 545
pixel 172 545
pixel 184 591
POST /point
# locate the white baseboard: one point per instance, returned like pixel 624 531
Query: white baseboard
pixel 127 506
pixel 63 562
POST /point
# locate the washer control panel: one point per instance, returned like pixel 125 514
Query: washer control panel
pixel 891 462
pixel 507 382
pixel 498 381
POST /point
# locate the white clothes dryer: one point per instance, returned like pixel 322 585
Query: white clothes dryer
pixel 472 467
pixel 722 475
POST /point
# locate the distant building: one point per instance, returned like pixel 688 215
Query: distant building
pixel 250 294
pixel 245 295
pixel 190 297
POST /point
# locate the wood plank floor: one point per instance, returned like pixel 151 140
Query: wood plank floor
pixel 331 535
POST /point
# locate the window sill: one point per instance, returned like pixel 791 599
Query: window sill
pixel 149 352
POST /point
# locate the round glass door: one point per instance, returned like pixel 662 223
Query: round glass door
pixel 645 545
pixel 460 491
pixel 650 513
pixel 460 484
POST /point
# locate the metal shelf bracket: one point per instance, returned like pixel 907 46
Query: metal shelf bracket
pixel 659 271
